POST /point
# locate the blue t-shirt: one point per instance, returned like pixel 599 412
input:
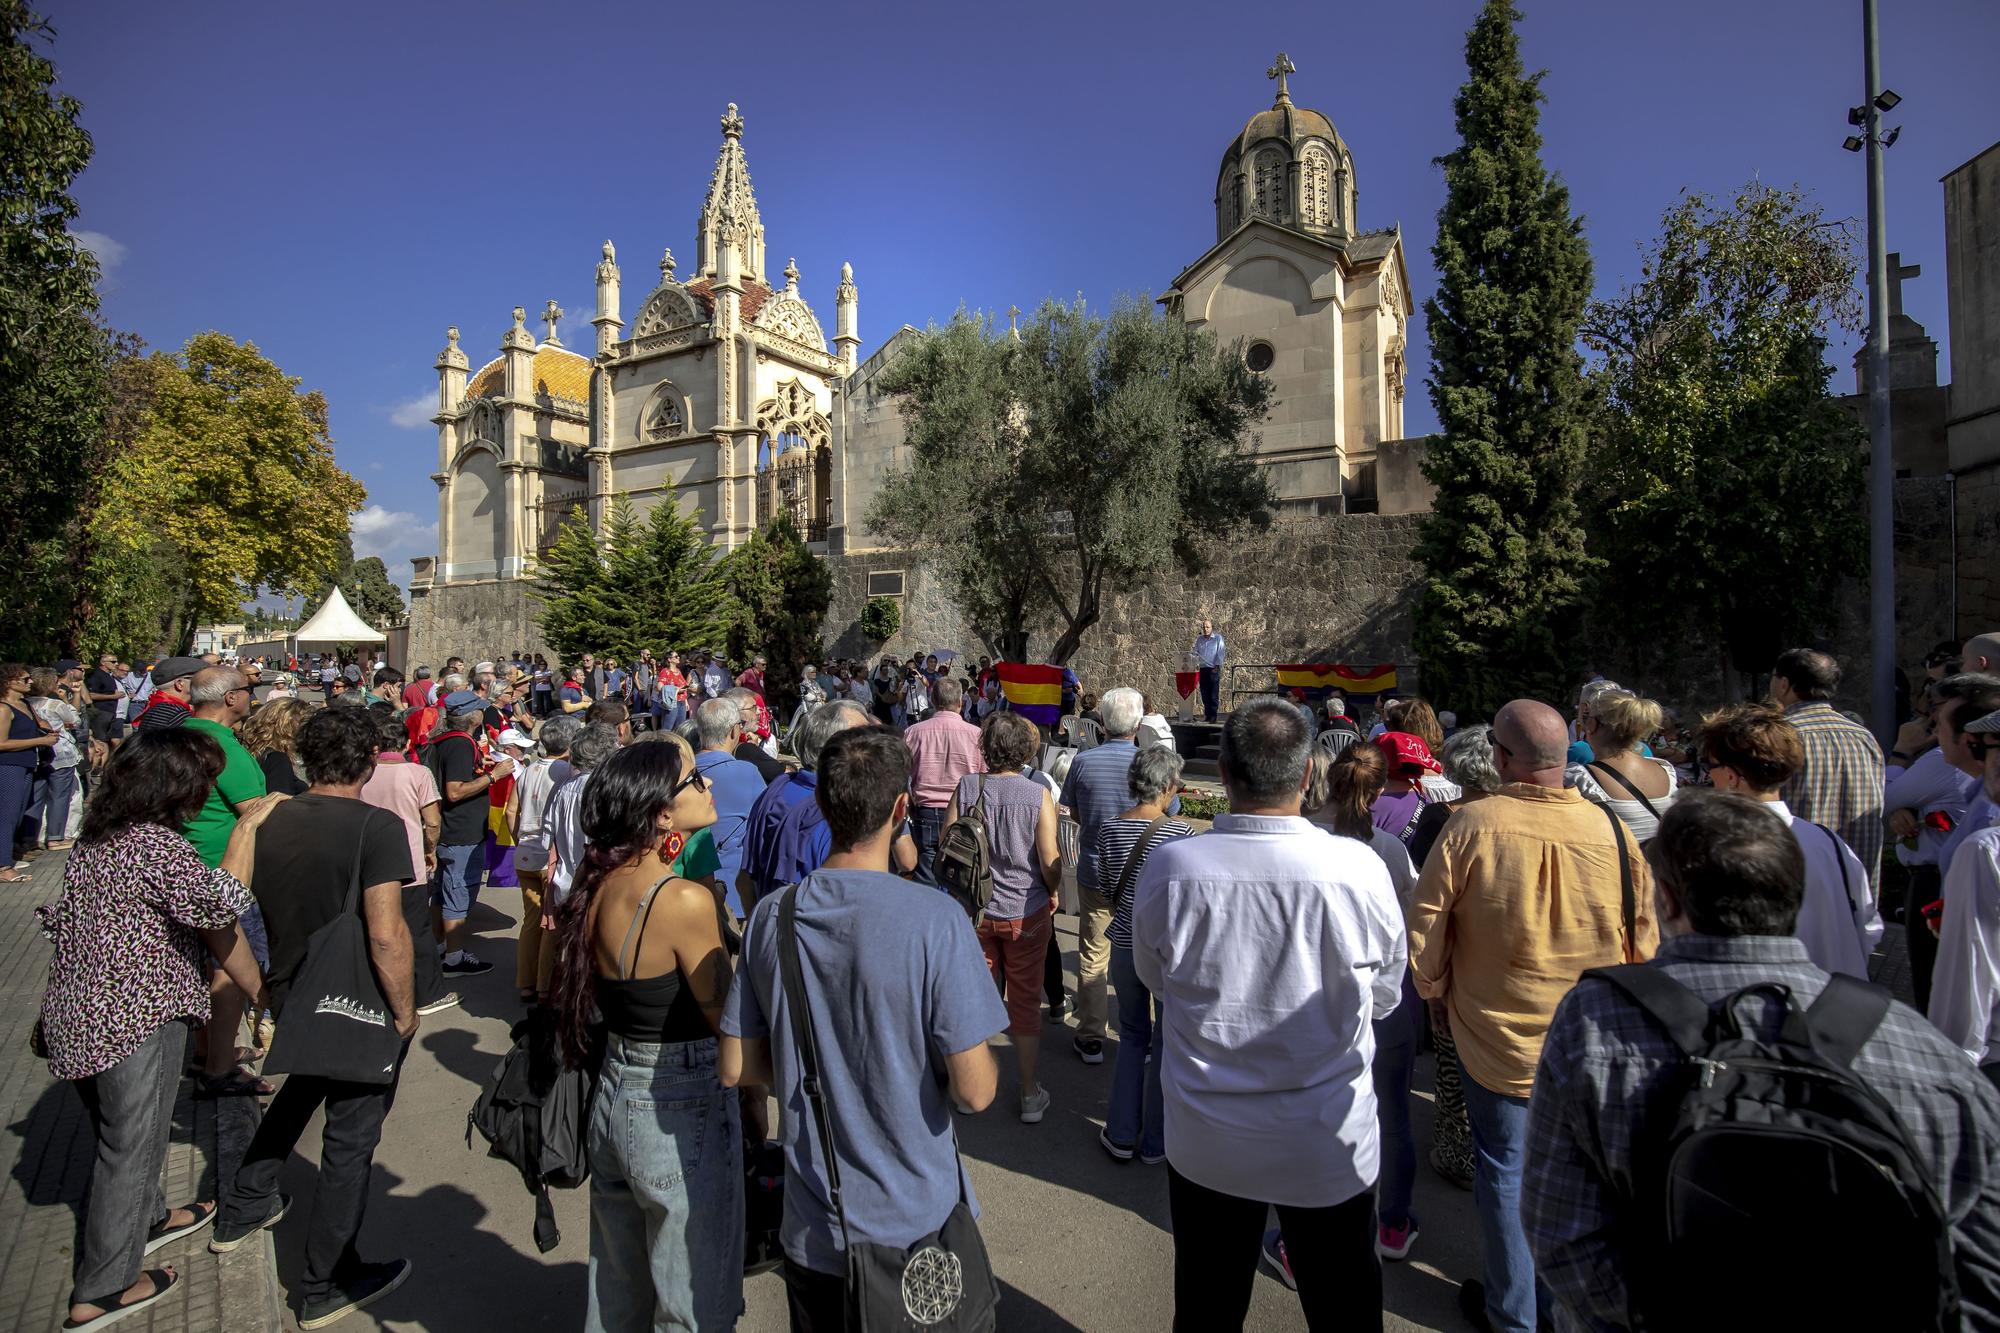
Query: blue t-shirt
pixel 897 982
pixel 1097 790
pixel 787 838
pixel 614 682
pixel 570 694
pixel 736 785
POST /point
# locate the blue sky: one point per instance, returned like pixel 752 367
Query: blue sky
pixel 338 183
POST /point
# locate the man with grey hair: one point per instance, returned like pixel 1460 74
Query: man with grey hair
pixel 1520 895
pixel 943 748
pixel 1096 790
pixel 749 747
pixel 1273 949
pixel 734 783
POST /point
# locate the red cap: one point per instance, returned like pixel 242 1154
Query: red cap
pixel 1401 748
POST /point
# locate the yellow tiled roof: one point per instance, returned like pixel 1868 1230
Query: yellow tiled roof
pixel 559 373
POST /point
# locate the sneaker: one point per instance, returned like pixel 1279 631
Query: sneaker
pixel 444 1001
pixel 1274 1255
pixel 468 965
pixel 1033 1108
pixel 1118 1150
pixel 1152 1158
pixel 1060 1010
pixel 228 1235
pixel 367 1284
pixel 1393 1243
pixel 1090 1050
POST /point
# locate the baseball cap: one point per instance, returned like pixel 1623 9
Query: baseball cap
pixel 67 664
pixel 1984 726
pixel 459 700
pixel 170 669
pixel 1400 748
pixel 516 738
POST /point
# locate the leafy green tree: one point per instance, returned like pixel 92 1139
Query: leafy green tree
pixel 53 354
pixel 1503 549
pixel 233 476
pixel 365 584
pixel 652 582
pixel 782 591
pixel 881 618
pixel 1050 471
pixel 1724 490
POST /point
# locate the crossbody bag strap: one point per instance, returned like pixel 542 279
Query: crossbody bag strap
pixel 807 1043
pixel 1154 832
pixel 1628 901
pixel 637 928
pixel 353 903
pixel 1626 783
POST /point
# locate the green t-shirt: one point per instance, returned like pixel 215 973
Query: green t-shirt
pixel 698 859
pixel 242 780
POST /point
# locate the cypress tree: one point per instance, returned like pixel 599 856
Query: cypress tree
pixel 1503 549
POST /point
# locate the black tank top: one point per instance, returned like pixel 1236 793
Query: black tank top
pixel 652 1009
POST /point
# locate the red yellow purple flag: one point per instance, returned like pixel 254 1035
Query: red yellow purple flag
pixel 1334 676
pixel 1035 692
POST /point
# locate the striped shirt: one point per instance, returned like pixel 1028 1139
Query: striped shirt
pixel 1116 841
pixel 1841 783
pixel 1605 1060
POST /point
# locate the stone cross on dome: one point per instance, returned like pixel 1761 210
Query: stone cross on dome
pixel 1278 71
pixel 552 315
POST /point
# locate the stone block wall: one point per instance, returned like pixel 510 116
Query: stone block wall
pixel 1978 547
pixel 1328 589
pixel 490 619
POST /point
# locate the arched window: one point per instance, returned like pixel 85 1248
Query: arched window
pixel 1316 187
pixel 1270 182
pixel 665 418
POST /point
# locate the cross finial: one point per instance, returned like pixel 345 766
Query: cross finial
pixel 732 124
pixel 1898 270
pixel 1013 319
pixel 552 315
pixel 1278 71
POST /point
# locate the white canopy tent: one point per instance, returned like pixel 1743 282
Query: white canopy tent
pixel 335 622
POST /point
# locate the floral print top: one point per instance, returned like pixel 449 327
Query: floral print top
pixel 127 959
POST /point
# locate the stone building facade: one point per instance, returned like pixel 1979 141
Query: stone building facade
pixel 1972 431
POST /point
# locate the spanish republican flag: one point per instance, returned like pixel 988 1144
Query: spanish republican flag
pixel 1035 692
pixel 1333 676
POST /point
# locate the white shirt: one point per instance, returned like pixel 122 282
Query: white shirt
pixel 1965 988
pixel 1838 920
pixel 1156 724
pixel 1273 948
pixel 1929 784
pixel 562 821
pixel 538 784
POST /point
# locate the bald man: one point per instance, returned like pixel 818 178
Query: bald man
pixel 1982 653
pixel 1521 894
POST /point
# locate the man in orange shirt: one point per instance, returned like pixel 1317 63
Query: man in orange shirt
pixel 1520 895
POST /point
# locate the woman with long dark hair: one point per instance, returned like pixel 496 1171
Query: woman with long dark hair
pixel 128 978
pixel 641 973
pixel 1342 796
pixel 21 745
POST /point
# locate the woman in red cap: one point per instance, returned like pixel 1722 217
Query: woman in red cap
pixel 1403 798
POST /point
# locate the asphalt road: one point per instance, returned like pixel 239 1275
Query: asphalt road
pixel 1079 1241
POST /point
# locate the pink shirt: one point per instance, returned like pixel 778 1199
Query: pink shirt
pixel 943 749
pixel 403 789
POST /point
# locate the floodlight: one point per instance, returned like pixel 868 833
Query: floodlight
pixel 1851 144
pixel 1857 114
pixel 1889 140
pixel 1887 99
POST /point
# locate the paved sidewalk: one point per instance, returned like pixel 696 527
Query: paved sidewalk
pixel 48 1150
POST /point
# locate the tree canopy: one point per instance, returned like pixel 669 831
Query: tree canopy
pixel 1088 455
pixel 1503 549
pixel 782 591
pixel 1725 493
pixel 230 485
pixel 365 584
pixel 653 582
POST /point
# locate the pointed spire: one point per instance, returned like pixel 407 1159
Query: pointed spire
pixel 607 268
pixel 791 277
pixel 731 207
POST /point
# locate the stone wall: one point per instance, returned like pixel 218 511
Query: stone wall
pixel 1978 500
pixel 1331 589
pixel 474 620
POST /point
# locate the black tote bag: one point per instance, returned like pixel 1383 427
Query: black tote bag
pixel 336 1023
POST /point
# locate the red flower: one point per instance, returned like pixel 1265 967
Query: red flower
pixel 1938 822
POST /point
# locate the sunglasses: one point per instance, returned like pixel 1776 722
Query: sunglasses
pixel 1979 747
pixel 694 776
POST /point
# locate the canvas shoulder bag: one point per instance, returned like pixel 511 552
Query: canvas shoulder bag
pixel 944 1281
pixel 336 1023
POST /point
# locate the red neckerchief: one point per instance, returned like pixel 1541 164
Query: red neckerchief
pixel 162 700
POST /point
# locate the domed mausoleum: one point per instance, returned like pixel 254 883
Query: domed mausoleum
pixel 1310 299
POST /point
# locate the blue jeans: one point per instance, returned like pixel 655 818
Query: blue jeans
pixel 1396 1040
pixel 666 1191
pixel 1514 1296
pixel 460 868
pixel 53 794
pixel 1138 1112
pixel 16 782
pixel 927 824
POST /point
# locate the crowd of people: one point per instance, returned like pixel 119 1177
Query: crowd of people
pixel 1611 932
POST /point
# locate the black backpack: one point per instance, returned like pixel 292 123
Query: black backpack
pixel 963 862
pixel 531 1112
pixel 1765 1162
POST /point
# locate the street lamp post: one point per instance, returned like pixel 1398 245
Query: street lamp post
pixel 1881 470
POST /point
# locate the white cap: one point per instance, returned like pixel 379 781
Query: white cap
pixel 513 738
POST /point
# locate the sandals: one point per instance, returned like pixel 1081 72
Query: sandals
pixel 12 876
pixel 235 1083
pixel 164 1281
pixel 165 1233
